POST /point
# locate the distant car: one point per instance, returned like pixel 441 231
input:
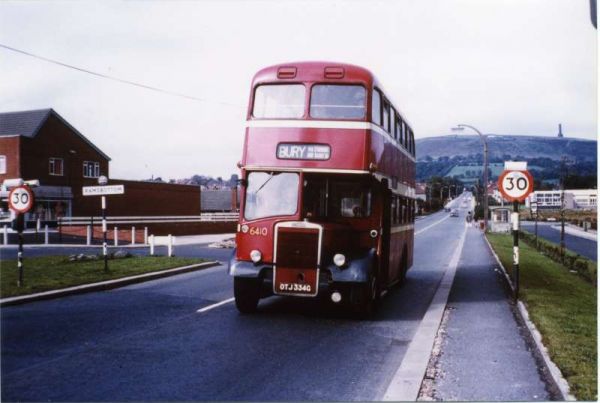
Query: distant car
pixel 447 209
pixel 454 213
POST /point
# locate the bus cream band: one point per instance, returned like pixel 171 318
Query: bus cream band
pixel 103 190
pixel 325 124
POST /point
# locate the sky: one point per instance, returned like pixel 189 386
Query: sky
pixel 503 66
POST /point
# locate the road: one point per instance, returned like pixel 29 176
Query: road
pixel 148 342
pixel 584 247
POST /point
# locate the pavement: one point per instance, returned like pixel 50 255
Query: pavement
pixel 484 355
pixel 573 240
pixel 181 338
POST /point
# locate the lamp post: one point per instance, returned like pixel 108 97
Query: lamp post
pixel 483 138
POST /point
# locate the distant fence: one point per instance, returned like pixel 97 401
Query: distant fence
pixel 203 218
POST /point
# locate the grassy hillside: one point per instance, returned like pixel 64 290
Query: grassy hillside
pixel 462 156
pixel 501 146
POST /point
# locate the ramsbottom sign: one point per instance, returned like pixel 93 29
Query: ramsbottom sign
pixel 103 190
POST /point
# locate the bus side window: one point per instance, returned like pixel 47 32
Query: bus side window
pixel 394 210
pixel 393 123
pixel 403 135
pixel 386 116
pixel 397 130
pixel 376 107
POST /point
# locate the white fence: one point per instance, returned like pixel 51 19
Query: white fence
pixel 206 217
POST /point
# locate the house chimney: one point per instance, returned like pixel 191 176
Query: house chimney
pixel 560 133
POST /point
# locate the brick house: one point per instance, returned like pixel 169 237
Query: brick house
pixel 40 144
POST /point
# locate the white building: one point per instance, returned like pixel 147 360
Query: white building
pixel 575 199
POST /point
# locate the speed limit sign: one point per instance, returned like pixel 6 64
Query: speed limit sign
pixel 515 185
pixel 20 199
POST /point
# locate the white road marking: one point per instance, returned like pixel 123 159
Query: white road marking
pixel 218 304
pixel 407 380
pixel 432 225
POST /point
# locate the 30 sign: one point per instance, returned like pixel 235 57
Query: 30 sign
pixel 515 185
pixel 20 199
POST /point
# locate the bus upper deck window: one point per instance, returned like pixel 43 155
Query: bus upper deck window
pixel 338 101
pixel 279 101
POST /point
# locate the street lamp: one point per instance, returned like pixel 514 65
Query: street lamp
pixel 483 138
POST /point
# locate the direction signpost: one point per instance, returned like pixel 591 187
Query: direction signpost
pixel 515 184
pixel 20 200
pixel 103 190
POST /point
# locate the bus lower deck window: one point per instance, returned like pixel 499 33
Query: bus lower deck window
pixel 271 194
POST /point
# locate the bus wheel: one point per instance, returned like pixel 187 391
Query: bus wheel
pixel 247 293
pixel 368 305
pixel 403 269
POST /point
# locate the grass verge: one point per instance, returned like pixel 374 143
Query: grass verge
pixel 563 307
pixel 56 272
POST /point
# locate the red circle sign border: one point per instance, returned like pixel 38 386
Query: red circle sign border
pixel 31 197
pixel 510 198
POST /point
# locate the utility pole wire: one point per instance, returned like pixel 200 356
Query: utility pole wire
pixel 148 87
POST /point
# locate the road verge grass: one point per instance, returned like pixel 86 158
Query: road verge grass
pixel 563 306
pixel 56 272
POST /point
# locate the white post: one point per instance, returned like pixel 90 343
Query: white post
pixel 151 245
pixel 38 225
pixel 133 235
pixel 170 246
pixel 116 236
pixel 88 235
pixel 145 235
pixel 46 234
pixel 5 231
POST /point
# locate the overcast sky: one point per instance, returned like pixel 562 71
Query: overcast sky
pixel 506 67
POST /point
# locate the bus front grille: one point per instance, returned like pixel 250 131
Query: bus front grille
pixel 297 248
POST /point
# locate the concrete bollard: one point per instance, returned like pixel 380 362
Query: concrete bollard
pixel 46 237
pixel 88 237
pixel 116 236
pixel 133 235
pixel 145 235
pixel 170 246
pixel 151 245
pixel 38 225
pixel 5 232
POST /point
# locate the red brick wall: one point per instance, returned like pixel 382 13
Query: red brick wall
pixel 9 147
pixel 55 140
pixel 142 199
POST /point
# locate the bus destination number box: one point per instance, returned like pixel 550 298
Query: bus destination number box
pixel 291 151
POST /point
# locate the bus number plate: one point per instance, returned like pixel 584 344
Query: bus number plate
pixel 302 282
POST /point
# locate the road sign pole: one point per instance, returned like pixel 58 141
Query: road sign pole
pixel 20 224
pixel 515 220
pixel 104 244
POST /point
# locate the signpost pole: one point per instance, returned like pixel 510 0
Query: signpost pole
pixel 20 225
pixel 104 244
pixel 516 247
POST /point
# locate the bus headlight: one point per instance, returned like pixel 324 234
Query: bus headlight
pixel 255 256
pixel 339 260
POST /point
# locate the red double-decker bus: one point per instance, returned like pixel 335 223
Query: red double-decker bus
pixel 327 176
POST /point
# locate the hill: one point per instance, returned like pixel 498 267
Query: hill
pixel 461 156
pixel 501 146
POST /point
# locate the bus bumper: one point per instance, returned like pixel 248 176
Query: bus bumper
pixel 357 269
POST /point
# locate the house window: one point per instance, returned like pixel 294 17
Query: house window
pixel 91 169
pixel 55 166
pixel 2 164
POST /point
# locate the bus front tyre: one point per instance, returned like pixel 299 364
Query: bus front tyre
pixel 368 305
pixel 247 293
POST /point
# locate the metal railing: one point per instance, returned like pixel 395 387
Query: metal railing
pixel 205 217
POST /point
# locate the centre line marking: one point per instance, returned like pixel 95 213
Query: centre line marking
pixel 429 226
pixel 218 304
